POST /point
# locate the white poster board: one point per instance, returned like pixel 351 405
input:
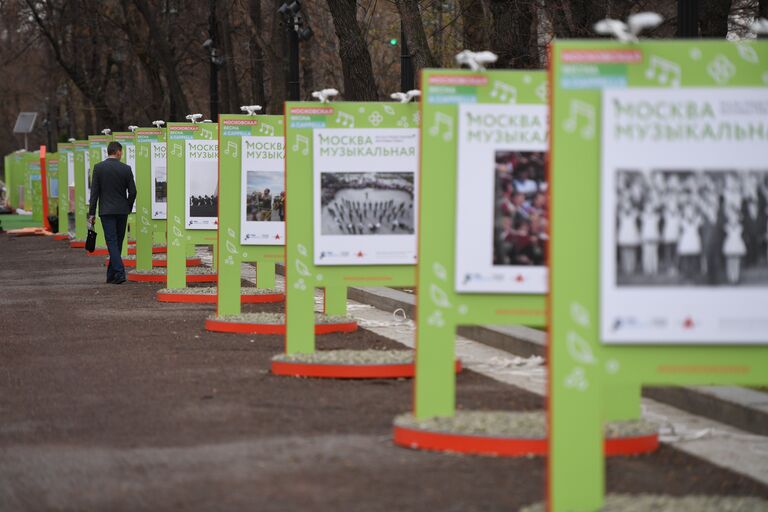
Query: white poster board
pixel 202 184
pixel 70 168
pixel 129 148
pixel 501 200
pixel 262 190
pixel 365 196
pixel 683 197
pixel 159 178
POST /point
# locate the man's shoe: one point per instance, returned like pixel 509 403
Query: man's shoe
pixel 119 280
pixel 110 280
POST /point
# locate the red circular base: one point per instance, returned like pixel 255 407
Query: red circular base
pixel 77 245
pixel 246 328
pixel 508 447
pixel 161 278
pixel 191 262
pixel 61 237
pixel 347 371
pixel 98 252
pixel 211 299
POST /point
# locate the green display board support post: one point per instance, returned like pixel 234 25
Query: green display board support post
pixel 181 239
pixel 440 308
pixel 630 120
pixel 149 231
pixel 302 275
pixel 232 251
pixel 33 187
pixel 81 189
pixel 66 162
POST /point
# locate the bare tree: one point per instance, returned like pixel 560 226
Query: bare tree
pixel 413 27
pixel 256 55
pixel 359 84
pixel 474 25
pixel 713 18
pixel 515 48
pixel 179 106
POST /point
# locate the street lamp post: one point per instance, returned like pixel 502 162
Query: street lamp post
pixel 297 30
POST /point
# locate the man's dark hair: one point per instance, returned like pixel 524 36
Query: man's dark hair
pixel 114 147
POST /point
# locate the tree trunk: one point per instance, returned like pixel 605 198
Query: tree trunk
pixel 417 38
pixel 233 100
pixel 513 46
pixel 160 38
pixel 258 97
pixel 278 65
pixel 713 18
pixel 359 84
pixel 576 18
pixel 762 9
pixel 474 25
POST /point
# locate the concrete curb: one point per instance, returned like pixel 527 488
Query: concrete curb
pixel 739 407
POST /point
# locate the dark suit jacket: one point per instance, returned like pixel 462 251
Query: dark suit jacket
pixel 113 188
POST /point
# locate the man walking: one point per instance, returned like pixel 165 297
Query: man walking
pixel 114 190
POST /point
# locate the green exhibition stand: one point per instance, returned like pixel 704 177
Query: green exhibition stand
pixel 249 145
pixel 352 122
pixel 188 142
pixel 128 158
pixel 82 190
pixel 149 146
pixel 66 174
pixel 15 172
pixel 440 307
pixel 641 130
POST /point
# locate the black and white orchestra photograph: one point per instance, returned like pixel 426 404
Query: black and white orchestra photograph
pixel 359 203
pixel 161 185
pixel 203 191
pixel 692 228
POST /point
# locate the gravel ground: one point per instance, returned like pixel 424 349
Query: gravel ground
pixel 211 290
pixel 161 271
pixel 277 318
pixel 524 425
pixel 112 401
pixel 350 357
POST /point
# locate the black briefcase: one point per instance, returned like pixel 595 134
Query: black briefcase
pixel 90 240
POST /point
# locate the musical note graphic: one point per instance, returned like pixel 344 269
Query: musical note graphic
pixel 747 52
pixel 664 71
pixel 231 149
pixel 267 129
pixel 504 92
pixel 581 110
pixel 301 140
pixel 445 120
pixel 176 151
pixel 721 69
pixel 345 119
pixel 207 134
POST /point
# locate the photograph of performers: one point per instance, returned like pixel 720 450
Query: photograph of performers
pixel 265 199
pixel 161 185
pixel 359 203
pixel 521 215
pixel 692 228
